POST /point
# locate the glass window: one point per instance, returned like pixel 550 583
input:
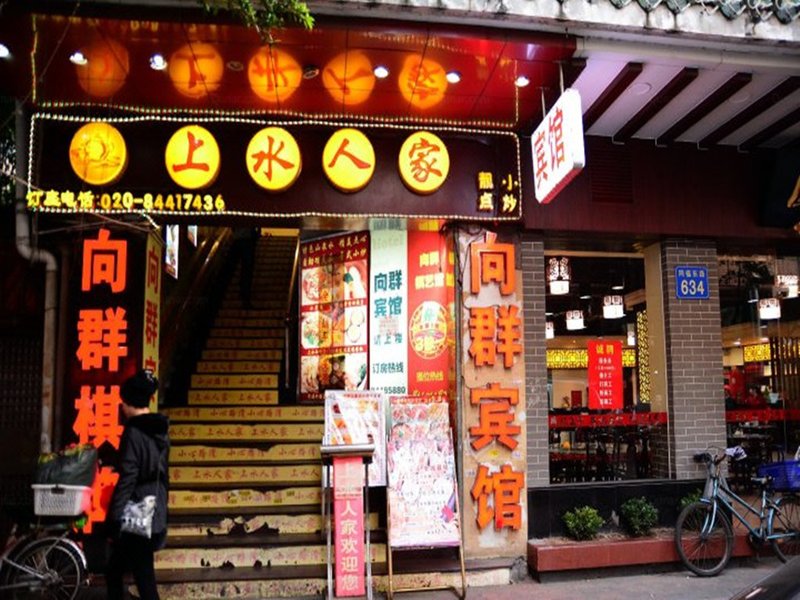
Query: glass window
pixel 601 416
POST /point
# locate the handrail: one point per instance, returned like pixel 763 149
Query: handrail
pixel 288 317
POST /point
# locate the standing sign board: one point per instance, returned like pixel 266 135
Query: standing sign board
pixel 421 491
pixel 557 143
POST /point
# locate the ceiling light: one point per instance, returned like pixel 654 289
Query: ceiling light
pixel 640 89
pixel 549 330
pixel 310 71
pixel 612 307
pixel 740 98
pixel 77 58
pixel 617 287
pixel 769 308
pixel 574 319
pixel 157 62
pixel 4 51
pixel 381 72
pixel 737 342
pixel 558 274
pixel 522 81
pixel 453 76
pixel 586 297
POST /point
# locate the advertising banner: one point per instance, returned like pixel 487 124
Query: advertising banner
pixel 605 374
pixel 358 418
pixel 334 329
pixel 348 515
pixel 422 483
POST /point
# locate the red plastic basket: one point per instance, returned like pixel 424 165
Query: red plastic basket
pixel 785 475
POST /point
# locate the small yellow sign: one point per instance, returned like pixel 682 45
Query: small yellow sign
pixel 423 162
pixel 348 77
pixel 422 81
pixel 192 157
pixel 97 153
pixel 196 69
pixel 348 160
pixel 274 75
pixel 273 159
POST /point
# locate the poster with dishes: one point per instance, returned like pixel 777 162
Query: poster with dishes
pixel 358 418
pixel 388 319
pixel 173 247
pixel 191 234
pixel 421 489
pixel 334 328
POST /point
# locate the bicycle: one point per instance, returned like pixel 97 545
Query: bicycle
pixel 704 533
pixel 45 562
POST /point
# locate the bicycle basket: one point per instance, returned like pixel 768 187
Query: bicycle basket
pixel 61 500
pixel 785 475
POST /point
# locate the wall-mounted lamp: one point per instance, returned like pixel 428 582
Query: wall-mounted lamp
pixel 769 308
pixel 788 283
pixel 558 275
pixel 549 330
pixel 631 338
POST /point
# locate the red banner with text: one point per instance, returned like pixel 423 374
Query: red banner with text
pixel 605 375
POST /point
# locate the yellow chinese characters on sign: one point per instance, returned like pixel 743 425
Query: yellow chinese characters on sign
pixel 348 78
pixel 348 160
pixel 274 75
pixel 423 162
pixel 192 157
pixel 97 153
pixel 196 70
pixel 273 159
pixel 422 82
pixel 105 70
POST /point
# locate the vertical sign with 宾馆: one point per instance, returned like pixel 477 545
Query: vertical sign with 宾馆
pixel 691 282
pixel 605 374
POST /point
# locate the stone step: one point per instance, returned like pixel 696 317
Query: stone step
pixel 230 366
pixel 249 332
pixel 250 313
pixel 233 432
pixel 236 530
pixel 242 397
pixel 241 501
pixel 249 322
pixel 240 343
pixel 235 475
pixel 233 382
pixel 244 557
pixel 242 355
pixel 286 453
pixel 242 414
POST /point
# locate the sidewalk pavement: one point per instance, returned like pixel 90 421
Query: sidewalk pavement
pixel 678 584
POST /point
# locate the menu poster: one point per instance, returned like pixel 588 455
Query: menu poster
pixel 421 491
pixel 191 234
pixel 358 418
pixel 605 375
pixel 389 312
pixel 173 248
pixel 334 336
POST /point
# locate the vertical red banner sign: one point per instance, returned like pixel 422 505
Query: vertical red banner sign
pixel 334 322
pixel 348 518
pixel 605 375
pixel 431 330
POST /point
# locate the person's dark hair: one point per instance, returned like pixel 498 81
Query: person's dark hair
pixel 137 389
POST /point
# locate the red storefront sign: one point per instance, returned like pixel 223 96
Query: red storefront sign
pixel 348 516
pixel 605 375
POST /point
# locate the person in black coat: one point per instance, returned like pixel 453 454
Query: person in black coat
pixel 143 471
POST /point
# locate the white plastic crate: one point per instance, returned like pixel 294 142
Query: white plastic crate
pixel 61 500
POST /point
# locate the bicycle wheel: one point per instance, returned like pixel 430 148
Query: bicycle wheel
pixel 58 566
pixel 785 521
pixel 704 545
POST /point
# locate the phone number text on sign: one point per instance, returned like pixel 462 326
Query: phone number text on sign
pixel 691 282
pixel 86 200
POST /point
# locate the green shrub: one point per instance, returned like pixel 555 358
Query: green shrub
pixel 638 516
pixel 583 523
pixel 689 498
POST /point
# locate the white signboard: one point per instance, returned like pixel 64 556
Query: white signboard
pixel 557 146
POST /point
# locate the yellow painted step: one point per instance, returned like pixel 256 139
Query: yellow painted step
pixel 247 397
pixel 230 500
pixel 252 313
pixel 243 414
pixel 194 558
pixel 241 343
pixel 251 382
pixel 230 354
pixel 240 433
pixel 245 475
pixel 232 366
pixel 249 332
pixel 213 454
pixel 248 322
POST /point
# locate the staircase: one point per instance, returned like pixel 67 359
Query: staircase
pixel 245 500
